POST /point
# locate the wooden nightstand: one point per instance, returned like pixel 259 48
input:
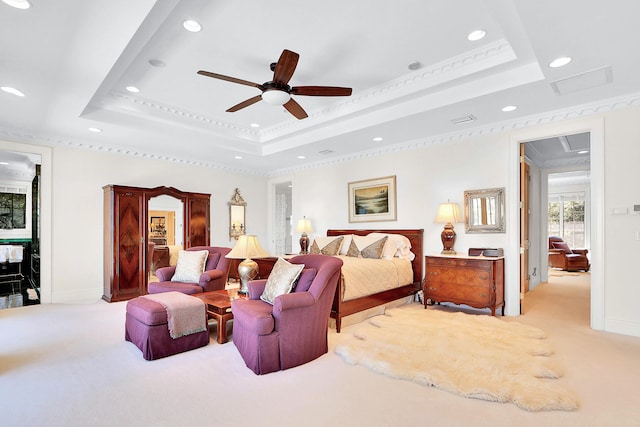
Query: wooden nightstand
pixel 475 281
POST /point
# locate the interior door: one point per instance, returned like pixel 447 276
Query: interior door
pixel 524 225
pixel 129 279
pixel 198 221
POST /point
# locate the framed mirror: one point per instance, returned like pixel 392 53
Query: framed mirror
pixel 237 206
pixel 484 211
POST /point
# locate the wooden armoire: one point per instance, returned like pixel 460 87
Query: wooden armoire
pixel 126 267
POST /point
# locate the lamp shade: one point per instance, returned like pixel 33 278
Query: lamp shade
pixel 304 226
pixel 448 213
pixel 247 247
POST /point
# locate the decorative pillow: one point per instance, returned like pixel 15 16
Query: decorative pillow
pixel 190 266
pixel 280 280
pixel 326 245
pixel 397 246
pixel 303 282
pixel 346 243
pixel 564 246
pixel 363 247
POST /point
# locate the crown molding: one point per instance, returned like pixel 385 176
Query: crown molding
pixel 578 111
pixel 18 136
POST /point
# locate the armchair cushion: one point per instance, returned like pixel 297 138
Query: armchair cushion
pixel 303 283
pixel 280 280
pixel 563 246
pixel 258 316
pixel 190 266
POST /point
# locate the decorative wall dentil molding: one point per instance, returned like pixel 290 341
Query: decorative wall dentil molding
pixel 183 115
pixel 579 111
pixel 18 136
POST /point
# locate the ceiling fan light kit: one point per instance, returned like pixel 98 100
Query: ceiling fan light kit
pixel 278 92
pixel 275 97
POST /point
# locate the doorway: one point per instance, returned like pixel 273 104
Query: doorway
pixel 20 230
pixel 559 200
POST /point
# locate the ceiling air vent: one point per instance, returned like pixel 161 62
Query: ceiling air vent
pixel 583 81
pixel 463 119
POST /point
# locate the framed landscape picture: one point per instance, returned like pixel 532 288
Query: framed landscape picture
pixel 372 200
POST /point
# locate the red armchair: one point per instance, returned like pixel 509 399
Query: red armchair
pixel 214 277
pixel 293 330
pixel 563 257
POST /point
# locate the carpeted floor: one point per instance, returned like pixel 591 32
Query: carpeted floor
pixel 69 365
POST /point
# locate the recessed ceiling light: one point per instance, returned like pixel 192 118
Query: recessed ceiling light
pixel 238 157
pixel 254 125
pixel 18 4
pixel 476 35
pixel 133 89
pixel 96 130
pixel 4 163
pixel 377 139
pixel 12 91
pixel 191 25
pixel 509 108
pixel 301 157
pixel 583 151
pixel 560 62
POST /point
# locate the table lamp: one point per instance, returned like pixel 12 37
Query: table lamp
pixel 304 227
pixel 247 247
pixel 448 213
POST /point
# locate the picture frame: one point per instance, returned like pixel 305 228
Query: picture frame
pixel 372 199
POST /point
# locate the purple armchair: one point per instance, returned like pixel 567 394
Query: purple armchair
pixel 294 330
pixel 214 277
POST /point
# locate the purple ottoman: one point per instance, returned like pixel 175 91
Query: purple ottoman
pixel 146 326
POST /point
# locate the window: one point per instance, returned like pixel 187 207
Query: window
pixel 13 211
pixel 566 218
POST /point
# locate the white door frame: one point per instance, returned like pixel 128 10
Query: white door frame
pixel 46 288
pixel 596 128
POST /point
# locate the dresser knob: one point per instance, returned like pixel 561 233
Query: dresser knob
pixel 432 288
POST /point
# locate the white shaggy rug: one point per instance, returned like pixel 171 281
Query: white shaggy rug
pixel 475 356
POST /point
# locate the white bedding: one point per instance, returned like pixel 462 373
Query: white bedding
pixel 364 276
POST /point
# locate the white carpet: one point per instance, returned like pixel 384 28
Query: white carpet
pixel 475 356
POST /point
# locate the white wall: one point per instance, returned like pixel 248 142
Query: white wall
pixel 622 252
pixel 78 178
pixel 426 176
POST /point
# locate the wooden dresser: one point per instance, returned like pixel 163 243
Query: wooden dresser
pixel 475 281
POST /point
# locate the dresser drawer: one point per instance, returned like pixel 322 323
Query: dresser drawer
pixel 458 262
pixel 470 295
pixel 460 276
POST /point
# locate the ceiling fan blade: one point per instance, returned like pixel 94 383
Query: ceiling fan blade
pixel 230 79
pixel 321 91
pixel 243 104
pixel 285 67
pixel 294 108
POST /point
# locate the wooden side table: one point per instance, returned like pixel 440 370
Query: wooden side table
pixel 219 308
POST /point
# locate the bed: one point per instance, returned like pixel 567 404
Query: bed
pixel 359 303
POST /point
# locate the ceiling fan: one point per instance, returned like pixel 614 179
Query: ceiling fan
pixel 278 91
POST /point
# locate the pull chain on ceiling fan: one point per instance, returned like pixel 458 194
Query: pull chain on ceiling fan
pixel 278 91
